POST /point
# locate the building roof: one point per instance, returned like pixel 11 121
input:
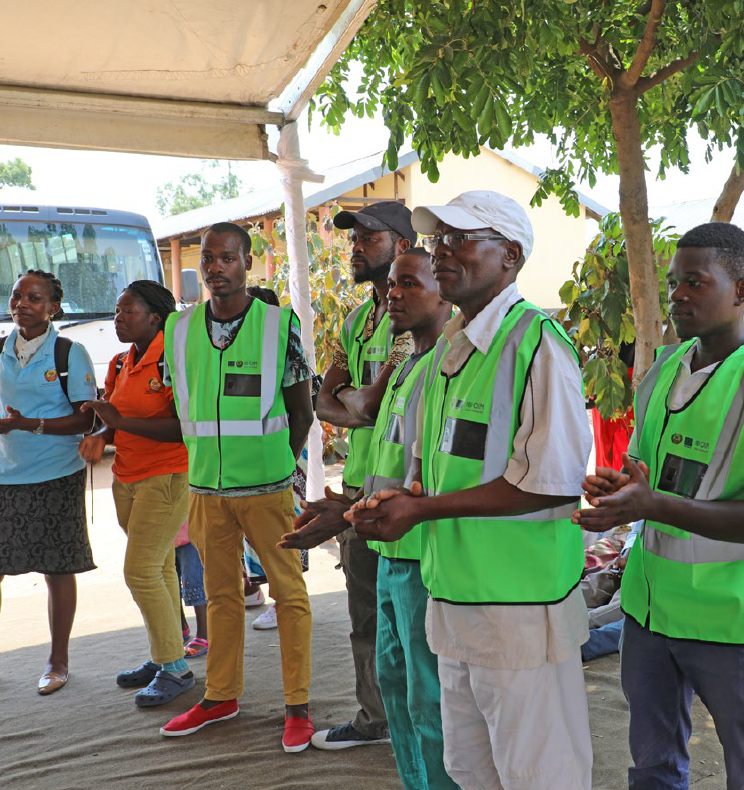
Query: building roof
pixel 338 181
pixel 688 214
pixel 199 79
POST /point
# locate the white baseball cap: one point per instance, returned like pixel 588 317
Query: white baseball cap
pixel 479 209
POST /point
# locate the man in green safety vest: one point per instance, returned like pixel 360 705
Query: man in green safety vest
pixel 503 446
pixel 241 386
pixel 406 668
pixel 364 358
pixel 683 588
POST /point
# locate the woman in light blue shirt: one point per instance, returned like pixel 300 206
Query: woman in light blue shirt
pixel 42 477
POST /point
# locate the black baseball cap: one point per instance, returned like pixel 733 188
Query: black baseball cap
pixel 385 215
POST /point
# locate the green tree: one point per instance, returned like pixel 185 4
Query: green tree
pixel 16 173
pixel 603 80
pixel 598 315
pixel 195 190
pixel 333 294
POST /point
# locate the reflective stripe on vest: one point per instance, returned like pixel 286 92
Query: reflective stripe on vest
pixel 230 403
pixel 269 352
pixel 391 450
pixel 678 583
pixel 365 359
pixel 471 418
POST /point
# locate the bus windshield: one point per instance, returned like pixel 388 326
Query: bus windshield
pixel 94 262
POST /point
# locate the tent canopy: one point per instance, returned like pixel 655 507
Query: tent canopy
pixel 178 77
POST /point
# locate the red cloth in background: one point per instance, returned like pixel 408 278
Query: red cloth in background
pixel 611 437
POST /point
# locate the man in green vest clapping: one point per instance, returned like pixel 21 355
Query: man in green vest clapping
pixel 365 357
pixel 683 588
pixel 503 446
pixel 406 668
pixel 241 386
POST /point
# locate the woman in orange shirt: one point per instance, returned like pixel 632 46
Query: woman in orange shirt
pixel 150 484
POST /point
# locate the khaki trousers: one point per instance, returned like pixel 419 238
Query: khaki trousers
pixel 216 527
pixel 151 511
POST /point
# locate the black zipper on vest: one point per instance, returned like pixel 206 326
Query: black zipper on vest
pixel 219 432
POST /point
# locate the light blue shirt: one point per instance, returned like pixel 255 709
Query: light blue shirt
pixel 36 392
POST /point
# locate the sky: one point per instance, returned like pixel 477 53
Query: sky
pixel 130 181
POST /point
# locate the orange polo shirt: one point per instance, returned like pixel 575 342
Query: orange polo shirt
pixel 138 391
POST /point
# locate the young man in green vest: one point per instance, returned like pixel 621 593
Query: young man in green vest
pixel 683 587
pixel 241 386
pixel 365 357
pixel 406 668
pixel 503 442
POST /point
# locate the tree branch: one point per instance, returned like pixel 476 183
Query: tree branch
pixel 646 45
pixel 596 62
pixel 646 83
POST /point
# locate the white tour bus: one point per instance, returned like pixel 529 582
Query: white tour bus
pixel 94 252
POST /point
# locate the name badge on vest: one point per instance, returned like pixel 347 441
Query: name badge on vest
pixel 681 476
pixel 394 430
pixel 464 438
pixel 244 385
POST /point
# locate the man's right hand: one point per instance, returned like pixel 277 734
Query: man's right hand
pixel 318 522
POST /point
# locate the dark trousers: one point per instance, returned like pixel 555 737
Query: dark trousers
pixel 659 676
pixel 359 564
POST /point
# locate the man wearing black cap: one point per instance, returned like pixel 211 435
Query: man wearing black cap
pixel 365 356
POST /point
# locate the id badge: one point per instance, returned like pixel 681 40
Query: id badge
pixel 681 476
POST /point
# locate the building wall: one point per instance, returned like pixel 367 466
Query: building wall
pixel 559 239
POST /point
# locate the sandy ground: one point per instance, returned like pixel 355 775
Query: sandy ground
pixel 90 735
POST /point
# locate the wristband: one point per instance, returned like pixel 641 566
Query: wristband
pixel 339 387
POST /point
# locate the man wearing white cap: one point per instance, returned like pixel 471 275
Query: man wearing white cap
pixel 504 445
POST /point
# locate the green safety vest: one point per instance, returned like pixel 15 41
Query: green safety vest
pixel 677 583
pixel 230 403
pixel 471 419
pixel 391 449
pixel 365 359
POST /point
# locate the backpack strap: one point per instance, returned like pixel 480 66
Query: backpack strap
pixel 62 346
pixel 2 343
pixel 120 363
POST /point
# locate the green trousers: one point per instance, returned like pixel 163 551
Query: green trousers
pixel 409 681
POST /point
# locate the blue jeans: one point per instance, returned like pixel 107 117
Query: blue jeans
pixel 602 641
pixel 659 677
pixel 191 574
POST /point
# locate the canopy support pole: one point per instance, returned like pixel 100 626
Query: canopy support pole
pixel 293 170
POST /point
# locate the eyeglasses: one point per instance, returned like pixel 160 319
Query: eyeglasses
pixel 454 240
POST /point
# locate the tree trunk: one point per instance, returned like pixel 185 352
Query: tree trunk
pixel 644 281
pixel 727 201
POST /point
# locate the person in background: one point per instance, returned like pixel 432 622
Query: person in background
pixel 254 573
pixel 190 573
pixel 42 478
pixel 150 485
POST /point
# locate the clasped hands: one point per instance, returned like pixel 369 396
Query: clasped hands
pixel 91 447
pixel 616 497
pixel 385 515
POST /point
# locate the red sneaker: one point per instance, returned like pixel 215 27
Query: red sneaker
pixel 297 733
pixel 199 717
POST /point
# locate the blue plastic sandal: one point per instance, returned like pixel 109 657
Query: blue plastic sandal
pixel 164 687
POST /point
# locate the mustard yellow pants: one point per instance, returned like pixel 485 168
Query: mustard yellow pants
pixel 151 511
pixel 216 527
